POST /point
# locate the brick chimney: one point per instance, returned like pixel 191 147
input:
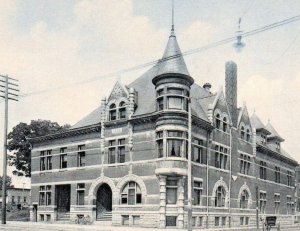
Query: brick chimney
pixel 231 89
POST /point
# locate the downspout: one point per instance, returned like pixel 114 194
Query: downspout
pixel 230 176
pixel 207 161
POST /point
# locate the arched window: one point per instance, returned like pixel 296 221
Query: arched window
pixel 244 199
pixel 242 132
pixel 112 112
pixel 225 125
pixel 131 194
pixel 218 121
pixel 122 110
pixel 220 197
pixel 248 135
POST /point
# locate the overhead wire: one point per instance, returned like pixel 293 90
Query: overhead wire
pixel 186 53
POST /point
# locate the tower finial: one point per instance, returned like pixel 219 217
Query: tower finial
pixel 172 29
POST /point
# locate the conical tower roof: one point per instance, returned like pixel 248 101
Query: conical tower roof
pixel 274 133
pixel 172 67
pixel 172 60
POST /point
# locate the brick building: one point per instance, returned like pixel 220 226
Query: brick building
pixel 127 160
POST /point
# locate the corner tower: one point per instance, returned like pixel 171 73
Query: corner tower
pixel 172 81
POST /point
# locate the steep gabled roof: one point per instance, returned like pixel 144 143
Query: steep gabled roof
pixel 257 124
pixel 274 134
pixel 172 60
pixel 90 119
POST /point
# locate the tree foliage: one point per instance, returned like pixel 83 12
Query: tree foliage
pixel 20 147
pixel 8 182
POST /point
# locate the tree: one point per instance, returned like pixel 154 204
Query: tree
pixel 8 182
pixel 18 143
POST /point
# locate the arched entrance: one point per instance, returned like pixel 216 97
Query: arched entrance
pixel 103 201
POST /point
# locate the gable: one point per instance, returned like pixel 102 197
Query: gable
pixel 118 91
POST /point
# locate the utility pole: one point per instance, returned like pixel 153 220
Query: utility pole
pixel 190 166
pixel 8 91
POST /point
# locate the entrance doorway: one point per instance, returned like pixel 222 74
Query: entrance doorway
pixel 63 196
pixel 104 201
pixel 34 211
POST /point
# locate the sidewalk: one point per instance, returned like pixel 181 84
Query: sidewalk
pixel 32 226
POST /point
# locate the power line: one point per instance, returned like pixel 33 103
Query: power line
pixel 186 53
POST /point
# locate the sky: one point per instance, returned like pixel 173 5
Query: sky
pixel 56 44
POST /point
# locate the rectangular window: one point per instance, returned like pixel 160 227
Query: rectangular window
pixel 49 159
pixel 48 217
pixel 217 221
pixel 81 156
pixel 160 104
pixel 262 201
pixel 160 149
pixel 241 220
pixel 80 193
pixel 263 170
pixel 42 217
pixel 121 150
pixel 171 221
pixel 42 161
pixel 13 200
pixel 289 178
pixel 246 220
pixel 277 174
pixel 221 156
pixel 289 204
pixel 198 188
pixel 245 162
pixel 136 220
pixel 171 187
pixel 200 223
pixel 25 199
pixel 223 221
pixel 175 103
pixel 63 161
pixel 277 202
pixel 198 151
pixel 194 219
pixel 19 199
pixel 125 219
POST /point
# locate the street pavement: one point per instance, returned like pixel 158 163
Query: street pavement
pixel 33 226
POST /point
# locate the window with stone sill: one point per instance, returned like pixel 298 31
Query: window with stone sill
pixel 116 151
pixel 277 202
pixel 277 174
pixel 171 191
pixel 244 199
pixel 198 151
pixel 81 156
pixel 176 143
pixel 242 133
pixel 46 160
pixel 263 170
pixel 248 135
pixel 80 193
pixel 218 121
pixel 197 194
pixel 176 98
pixel 245 163
pixel 117 112
pixel 221 156
pixel 45 195
pixel 220 197
pixel 131 194
pixel 262 201
pixel 289 178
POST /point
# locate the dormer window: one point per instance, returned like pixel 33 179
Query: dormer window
pixel 122 110
pixel 242 133
pixel 218 121
pixel 117 112
pixel 112 112
pixel 277 146
pixel 248 135
pixel 263 139
pixel 225 124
